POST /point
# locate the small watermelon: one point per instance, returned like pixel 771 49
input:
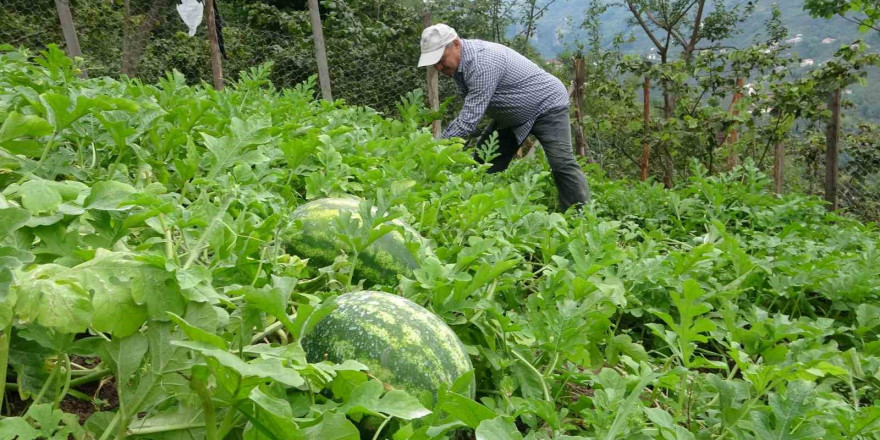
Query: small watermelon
pixel 402 343
pixel 380 263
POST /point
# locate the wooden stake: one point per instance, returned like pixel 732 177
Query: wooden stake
pixel 832 139
pixel 778 164
pixel 646 148
pixel 69 31
pixel 433 83
pixel 214 42
pixel 320 51
pixel 580 140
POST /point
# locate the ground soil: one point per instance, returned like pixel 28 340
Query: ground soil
pixel 103 394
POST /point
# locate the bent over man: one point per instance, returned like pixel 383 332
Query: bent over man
pixel 518 96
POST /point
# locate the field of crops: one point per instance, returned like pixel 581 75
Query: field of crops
pixel 149 287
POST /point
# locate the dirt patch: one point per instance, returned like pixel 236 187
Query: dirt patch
pixel 104 398
pixel 102 394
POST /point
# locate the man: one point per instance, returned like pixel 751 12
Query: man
pixel 518 96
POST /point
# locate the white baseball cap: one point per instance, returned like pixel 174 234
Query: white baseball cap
pixel 434 40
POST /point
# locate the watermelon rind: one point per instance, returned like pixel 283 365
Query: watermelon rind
pixel 403 344
pixel 312 237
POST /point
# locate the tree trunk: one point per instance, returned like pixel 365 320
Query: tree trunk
pixel 580 140
pixel 688 51
pixel 832 138
pixel 320 51
pixel 433 84
pixel 778 167
pixel 669 165
pixel 71 41
pixel 646 148
pixel 529 24
pixel 216 63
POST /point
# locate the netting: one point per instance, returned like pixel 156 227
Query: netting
pixel 147 38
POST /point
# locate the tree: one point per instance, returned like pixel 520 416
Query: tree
pixel 681 25
pixel 864 13
pixel 531 13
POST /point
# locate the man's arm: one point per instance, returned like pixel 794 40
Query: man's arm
pixel 482 81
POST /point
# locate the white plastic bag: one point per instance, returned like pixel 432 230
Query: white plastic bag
pixel 191 11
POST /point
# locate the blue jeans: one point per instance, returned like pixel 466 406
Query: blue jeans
pixel 553 131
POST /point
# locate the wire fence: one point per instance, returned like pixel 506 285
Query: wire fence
pixel 147 38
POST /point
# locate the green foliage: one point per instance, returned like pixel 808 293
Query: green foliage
pixel 141 239
pixel 864 13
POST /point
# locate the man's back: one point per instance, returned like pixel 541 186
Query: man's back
pixel 520 90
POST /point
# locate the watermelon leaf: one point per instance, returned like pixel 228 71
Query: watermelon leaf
pixel 333 426
pixel 498 428
pixel 466 410
pixel 397 403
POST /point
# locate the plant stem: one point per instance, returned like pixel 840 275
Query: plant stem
pixel 259 266
pixel 112 426
pixel 227 424
pixel 354 263
pixel 46 385
pixel 115 165
pixel 169 243
pixel 746 410
pixel 552 365
pixel 80 395
pixel 126 412
pixel 215 221
pixel 201 389
pixel 91 377
pixel 378 431
pixel 45 154
pixel 67 381
pixel 272 328
pixel 282 336
pixel 166 428
pixel 4 360
pixel 536 372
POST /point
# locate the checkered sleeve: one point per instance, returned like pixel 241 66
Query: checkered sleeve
pixel 482 79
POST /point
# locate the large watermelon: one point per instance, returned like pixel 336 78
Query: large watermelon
pixel 380 263
pixel 402 343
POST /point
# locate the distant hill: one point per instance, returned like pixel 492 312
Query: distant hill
pixel 560 28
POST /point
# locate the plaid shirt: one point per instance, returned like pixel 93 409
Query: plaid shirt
pixel 498 82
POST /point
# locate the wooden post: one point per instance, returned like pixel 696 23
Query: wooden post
pixel 646 148
pixel 732 158
pixel 778 165
pixel 216 62
pixel 433 83
pixel 320 52
pixel 580 140
pixel 832 138
pixel 69 31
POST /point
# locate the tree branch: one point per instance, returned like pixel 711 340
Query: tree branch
pixel 715 46
pixel 644 25
pixel 695 36
pixel 685 11
pixel 862 22
pixel 678 37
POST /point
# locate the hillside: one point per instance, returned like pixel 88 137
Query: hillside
pixel 560 28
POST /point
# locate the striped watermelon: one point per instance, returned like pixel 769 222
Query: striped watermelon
pixel 403 344
pixel 380 263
